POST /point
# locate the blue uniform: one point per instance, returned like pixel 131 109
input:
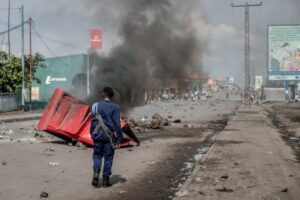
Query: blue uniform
pixel 110 114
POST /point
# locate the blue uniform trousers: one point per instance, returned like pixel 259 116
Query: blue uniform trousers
pixel 103 149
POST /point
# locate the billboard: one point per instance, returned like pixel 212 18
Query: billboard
pixel 284 52
pixel 95 39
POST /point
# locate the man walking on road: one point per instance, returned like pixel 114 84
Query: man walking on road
pixel 107 135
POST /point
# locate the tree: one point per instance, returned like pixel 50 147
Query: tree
pixel 11 71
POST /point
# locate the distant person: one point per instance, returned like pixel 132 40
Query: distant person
pixel 107 135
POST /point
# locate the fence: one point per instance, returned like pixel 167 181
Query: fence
pixel 9 102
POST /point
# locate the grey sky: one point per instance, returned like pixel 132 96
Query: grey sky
pixel 219 25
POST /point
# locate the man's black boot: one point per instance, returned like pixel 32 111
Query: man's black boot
pixel 106 182
pixel 95 181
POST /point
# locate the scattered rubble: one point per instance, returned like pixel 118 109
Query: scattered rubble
pixel 4 163
pixel 224 189
pixel 177 121
pixel 182 194
pixel 202 193
pixel 49 149
pixel 285 190
pixel 44 194
pixel 188 126
pixel 81 145
pixel 158 121
pixel 225 177
pixel 37 135
pixel 53 163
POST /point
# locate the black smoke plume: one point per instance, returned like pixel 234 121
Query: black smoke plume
pixel 157 46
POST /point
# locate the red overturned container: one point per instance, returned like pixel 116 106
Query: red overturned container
pixel 68 118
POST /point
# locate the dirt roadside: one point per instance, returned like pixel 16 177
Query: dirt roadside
pixel 286 117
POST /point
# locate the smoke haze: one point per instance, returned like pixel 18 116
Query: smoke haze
pixel 155 47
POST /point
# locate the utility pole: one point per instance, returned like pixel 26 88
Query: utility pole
pixel 247 47
pixel 30 62
pixel 23 61
pixel 8 26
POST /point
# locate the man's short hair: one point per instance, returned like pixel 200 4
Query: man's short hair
pixel 108 91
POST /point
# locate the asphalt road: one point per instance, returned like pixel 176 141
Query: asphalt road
pixel 33 162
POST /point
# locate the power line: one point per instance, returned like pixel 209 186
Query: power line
pixel 14 28
pixel 46 45
pixel 63 43
pixel 3 22
pixel 60 42
pixel 10 9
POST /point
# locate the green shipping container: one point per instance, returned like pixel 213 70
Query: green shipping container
pixel 66 72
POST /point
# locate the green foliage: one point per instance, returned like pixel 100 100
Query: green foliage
pixel 11 71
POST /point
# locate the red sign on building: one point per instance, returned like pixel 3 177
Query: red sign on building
pixel 95 39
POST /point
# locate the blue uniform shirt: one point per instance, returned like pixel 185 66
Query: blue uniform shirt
pixel 110 114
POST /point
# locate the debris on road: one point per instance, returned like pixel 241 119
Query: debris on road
pixel 44 194
pixel 198 179
pixel 50 149
pixel 182 194
pixel 53 163
pixel 285 190
pixel 225 177
pixel 37 135
pixel 202 193
pixel 158 121
pixel 177 121
pixel 4 163
pixel 81 145
pixel 10 132
pixel 188 126
pixel 224 189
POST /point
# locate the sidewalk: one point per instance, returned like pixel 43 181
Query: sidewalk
pixel 19 116
pixel 248 161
